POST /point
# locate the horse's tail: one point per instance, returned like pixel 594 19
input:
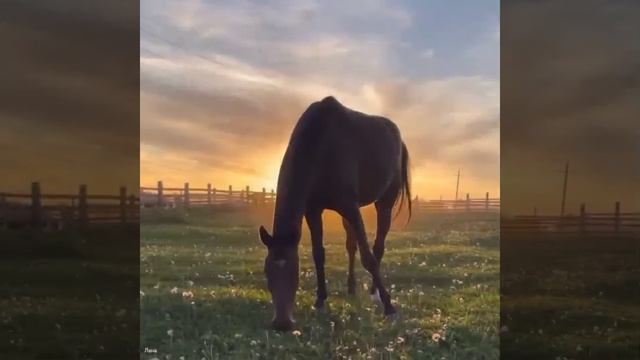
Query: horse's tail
pixel 405 186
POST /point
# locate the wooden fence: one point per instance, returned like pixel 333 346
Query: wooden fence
pixel 161 196
pixel 594 223
pixel 485 205
pixel 58 211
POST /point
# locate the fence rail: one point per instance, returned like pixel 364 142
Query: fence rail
pixel 595 223
pixel 161 196
pixel 486 204
pixel 58 211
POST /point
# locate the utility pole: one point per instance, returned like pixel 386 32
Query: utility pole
pixel 564 189
pixel 457 184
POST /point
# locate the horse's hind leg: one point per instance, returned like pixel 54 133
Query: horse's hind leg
pixel 384 208
pixel 352 213
pixel 352 246
pixel 314 221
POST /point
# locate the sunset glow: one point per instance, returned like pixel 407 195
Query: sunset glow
pixel 222 87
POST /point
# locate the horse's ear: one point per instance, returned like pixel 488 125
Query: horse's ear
pixel 265 237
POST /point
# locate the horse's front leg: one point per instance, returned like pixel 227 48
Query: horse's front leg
pixel 352 247
pixel 314 221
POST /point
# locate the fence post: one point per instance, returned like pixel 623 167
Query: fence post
pixel 486 201
pixel 264 195
pixel 616 223
pixel 123 204
pixel 467 203
pixel 160 194
pixel 583 218
pixel 36 205
pixel 83 214
pixel 186 194
pixel 132 206
pixel 209 194
pixel 230 194
pixel 213 196
pixel 247 194
pixel 273 196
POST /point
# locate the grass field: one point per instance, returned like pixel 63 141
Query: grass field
pixel 203 293
pixel 70 294
pixel 570 297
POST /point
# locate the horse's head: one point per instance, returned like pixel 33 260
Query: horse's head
pixel 282 271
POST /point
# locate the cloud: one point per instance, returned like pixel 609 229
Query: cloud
pixel 569 90
pixel 227 80
pixel 69 96
pixel 427 54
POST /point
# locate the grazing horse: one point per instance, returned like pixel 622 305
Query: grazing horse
pixel 337 159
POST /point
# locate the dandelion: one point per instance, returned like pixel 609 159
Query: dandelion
pixel 190 283
pixel 238 336
pixel 436 337
pixel 174 290
pixel 423 264
pixel 296 333
pixel 253 343
pixel 170 332
pixel 400 340
pixel 187 295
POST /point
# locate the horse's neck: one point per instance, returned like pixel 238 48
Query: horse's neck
pixel 293 186
pixel 287 220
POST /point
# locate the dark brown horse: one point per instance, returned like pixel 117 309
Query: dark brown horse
pixel 337 159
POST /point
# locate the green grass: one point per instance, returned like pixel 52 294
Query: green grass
pixel 442 275
pixel 570 297
pixel 69 295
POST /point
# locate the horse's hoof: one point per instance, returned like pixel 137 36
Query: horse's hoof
pixel 319 304
pixel 375 297
pixel 282 325
pixel 392 317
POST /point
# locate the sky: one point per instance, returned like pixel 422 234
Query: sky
pixel 69 100
pixel 570 88
pixel 223 84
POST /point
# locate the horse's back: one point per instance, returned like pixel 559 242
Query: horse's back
pixel 351 150
pixel 333 121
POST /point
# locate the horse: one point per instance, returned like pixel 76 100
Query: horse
pixel 338 159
